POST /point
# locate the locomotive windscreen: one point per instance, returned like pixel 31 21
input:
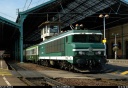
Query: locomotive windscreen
pixel 89 38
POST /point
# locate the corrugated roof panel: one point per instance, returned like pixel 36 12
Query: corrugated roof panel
pixel 90 7
pixel 126 1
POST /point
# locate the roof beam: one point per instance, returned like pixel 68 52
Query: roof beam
pixel 8 22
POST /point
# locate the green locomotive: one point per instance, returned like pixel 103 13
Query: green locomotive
pixel 76 49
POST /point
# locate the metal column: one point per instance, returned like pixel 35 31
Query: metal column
pixel 22 17
pixel 123 44
pixel 16 53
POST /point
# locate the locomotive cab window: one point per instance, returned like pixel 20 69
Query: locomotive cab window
pixel 79 38
pixel 94 38
pixel 87 38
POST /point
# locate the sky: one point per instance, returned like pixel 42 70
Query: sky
pixel 8 8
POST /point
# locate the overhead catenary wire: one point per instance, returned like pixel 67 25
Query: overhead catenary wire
pixel 29 4
pixel 7 15
pixel 25 5
pixel 38 2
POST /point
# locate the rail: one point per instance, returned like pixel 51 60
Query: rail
pixel 44 79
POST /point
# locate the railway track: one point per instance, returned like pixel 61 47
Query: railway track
pixel 38 81
pixel 44 80
pixel 80 79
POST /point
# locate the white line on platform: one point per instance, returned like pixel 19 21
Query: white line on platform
pixel 7 82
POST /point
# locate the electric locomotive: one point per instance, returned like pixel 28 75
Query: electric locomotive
pixel 77 49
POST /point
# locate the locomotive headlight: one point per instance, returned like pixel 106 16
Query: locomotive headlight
pixel 80 52
pixel 98 53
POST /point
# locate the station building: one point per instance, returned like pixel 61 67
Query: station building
pixel 118 35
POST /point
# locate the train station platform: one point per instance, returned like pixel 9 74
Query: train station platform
pixel 118 66
pixel 7 78
pixel 118 61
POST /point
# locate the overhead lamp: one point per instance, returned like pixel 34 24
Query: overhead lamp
pixel 106 16
pixel 101 16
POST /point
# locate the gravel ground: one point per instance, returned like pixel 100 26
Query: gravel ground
pixel 36 67
pixel 75 81
pixel 89 82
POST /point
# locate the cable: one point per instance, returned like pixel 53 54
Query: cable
pixel 7 15
pixel 42 1
pixel 29 4
pixel 38 2
pixel 25 5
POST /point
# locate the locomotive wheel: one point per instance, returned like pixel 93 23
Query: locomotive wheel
pixel 66 68
pixel 46 63
pixel 62 65
pixel 70 67
pixel 42 62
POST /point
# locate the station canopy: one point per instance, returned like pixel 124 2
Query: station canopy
pixel 73 12
pixel 8 33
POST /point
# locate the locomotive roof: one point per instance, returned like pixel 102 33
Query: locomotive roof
pixel 32 47
pixel 71 32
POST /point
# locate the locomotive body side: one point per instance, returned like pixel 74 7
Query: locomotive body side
pixel 53 50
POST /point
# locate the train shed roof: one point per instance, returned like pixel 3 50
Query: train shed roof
pixel 71 12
